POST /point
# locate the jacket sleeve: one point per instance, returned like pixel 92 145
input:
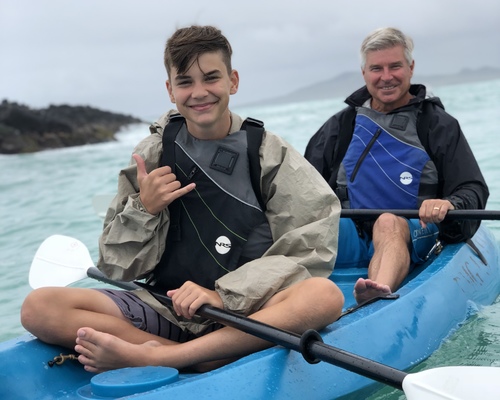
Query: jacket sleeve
pixel 460 177
pixel 133 240
pixel 327 147
pixel 320 148
pixel 303 214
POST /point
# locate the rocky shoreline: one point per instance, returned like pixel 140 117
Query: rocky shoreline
pixel 27 130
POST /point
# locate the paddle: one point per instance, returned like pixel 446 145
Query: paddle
pixel 453 214
pixel 58 253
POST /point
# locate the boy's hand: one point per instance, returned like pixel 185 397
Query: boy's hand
pixel 159 188
pixel 190 296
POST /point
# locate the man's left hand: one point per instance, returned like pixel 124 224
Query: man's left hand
pixel 433 211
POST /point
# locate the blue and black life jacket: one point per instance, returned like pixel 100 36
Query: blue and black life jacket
pixel 385 165
pixel 221 224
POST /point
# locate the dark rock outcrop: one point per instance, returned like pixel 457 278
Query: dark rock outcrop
pixel 26 130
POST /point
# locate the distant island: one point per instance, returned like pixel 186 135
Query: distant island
pixel 27 130
pixel 344 84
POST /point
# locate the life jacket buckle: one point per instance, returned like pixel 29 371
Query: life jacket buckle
pixel 255 122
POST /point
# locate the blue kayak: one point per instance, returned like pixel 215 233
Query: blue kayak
pixel 433 302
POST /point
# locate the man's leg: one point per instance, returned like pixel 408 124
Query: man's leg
pixel 54 315
pixel 390 263
pixel 310 304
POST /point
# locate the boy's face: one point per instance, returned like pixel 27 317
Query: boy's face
pixel 201 95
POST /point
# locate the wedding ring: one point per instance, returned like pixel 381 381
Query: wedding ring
pixel 437 208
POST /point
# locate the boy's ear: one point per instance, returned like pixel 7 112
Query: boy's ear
pixel 235 81
pixel 169 89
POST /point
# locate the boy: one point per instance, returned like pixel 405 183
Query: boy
pixel 188 218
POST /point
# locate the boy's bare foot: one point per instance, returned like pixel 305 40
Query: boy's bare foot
pixel 101 351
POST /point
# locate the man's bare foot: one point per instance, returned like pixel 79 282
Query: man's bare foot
pixel 101 351
pixel 366 289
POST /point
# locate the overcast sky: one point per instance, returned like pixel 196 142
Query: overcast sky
pixel 109 53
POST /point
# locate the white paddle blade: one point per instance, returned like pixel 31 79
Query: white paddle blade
pixel 59 261
pixel 453 383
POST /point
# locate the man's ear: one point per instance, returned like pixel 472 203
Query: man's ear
pixel 170 93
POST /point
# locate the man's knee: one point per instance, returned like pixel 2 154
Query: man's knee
pixel 388 221
pixel 390 224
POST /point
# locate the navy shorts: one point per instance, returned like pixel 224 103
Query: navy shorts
pixel 356 251
pixel 147 319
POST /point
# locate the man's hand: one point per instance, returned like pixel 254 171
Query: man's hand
pixel 190 296
pixel 159 188
pixel 433 211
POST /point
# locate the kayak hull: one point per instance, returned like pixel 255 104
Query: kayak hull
pixel 433 302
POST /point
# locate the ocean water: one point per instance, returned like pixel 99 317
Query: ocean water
pixel 51 192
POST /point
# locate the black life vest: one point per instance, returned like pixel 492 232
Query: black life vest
pixel 220 225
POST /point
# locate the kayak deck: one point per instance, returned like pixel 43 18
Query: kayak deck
pixel 432 303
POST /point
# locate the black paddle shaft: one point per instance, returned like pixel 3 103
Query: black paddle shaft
pixel 309 344
pixel 361 214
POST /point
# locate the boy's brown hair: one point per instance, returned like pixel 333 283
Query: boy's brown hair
pixel 185 46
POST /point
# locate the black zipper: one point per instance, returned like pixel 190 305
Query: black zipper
pixel 365 153
pixel 194 170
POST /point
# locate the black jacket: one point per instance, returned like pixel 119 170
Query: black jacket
pixel 460 179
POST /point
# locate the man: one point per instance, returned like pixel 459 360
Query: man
pixel 394 147
pixel 188 218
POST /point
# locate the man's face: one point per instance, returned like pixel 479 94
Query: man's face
pixel 201 95
pixel 387 76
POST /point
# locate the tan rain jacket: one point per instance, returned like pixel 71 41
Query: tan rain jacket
pixel 302 210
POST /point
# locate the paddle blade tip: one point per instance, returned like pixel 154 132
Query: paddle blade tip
pixel 59 261
pixel 456 382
